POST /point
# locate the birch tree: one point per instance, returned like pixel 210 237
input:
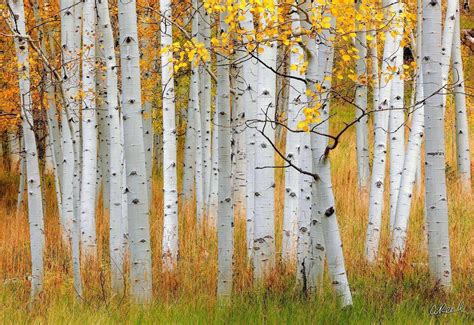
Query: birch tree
pixel 435 177
pixel 139 228
pixel 35 199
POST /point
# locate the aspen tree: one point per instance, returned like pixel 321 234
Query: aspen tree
pixel 381 119
pixel 325 197
pixel 225 213
pixel 397 114
pixel 462 126
pixel 264 220
pixel 435 177
pixel 136 191
pixel 35 198
pixel 412 156
pixel 117 229
pixel 362 137
pixel 170 225
pixel 89 133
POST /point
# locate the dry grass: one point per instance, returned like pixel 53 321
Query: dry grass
pixel 385 292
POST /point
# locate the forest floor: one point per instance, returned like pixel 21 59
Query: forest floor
pixel 386 292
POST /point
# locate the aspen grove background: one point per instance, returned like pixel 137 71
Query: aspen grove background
pixel 236 161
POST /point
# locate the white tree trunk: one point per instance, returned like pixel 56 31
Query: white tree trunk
pixel 205 102
pixel 71 221
pixel 213 201
pixel 139 227
pixel 435 177
pixel 380 146
pixel 412 156
pixel 225 213
pixel 249 101
pixel 317 249
pixel 375 70
pixel 292 191
pixel 325 198
pixel 397 115
pixel 264 222
pixel 189 164
pixel 462 126
pixel 451 16
pixel 35 199
pixel 170 224
pixel 117 232
pixel 89 133
pixel 362 136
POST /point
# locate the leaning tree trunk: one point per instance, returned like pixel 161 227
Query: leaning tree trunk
pixel 89 133
pixel 170 223
pixel 462 126
pixel 412 156
pixel 264 222
pixel 139 227
pixel 35 199
pixel 380 146
pixel 435 175
pixel 117 233
pixel 325 196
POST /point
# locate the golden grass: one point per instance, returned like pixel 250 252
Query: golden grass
pixel 191 289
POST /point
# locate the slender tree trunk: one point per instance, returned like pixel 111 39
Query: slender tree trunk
pixel 264 222
pixel 139 227
pixel 381 119
pixel 214 186
pixel 89 133
pixel 249 101
pixel 447 42
pixel 205 102
pixel 292 191
pixel 397 115
pixel 117 229
pixel 35 199
pixel 225 213
pixel 71 221
pixel 22 183
pixel 462 126
pixel 362 137
pixel 435 177
pixel 170 225
pixel 412 156
pixel 325 197
pixel 317 250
